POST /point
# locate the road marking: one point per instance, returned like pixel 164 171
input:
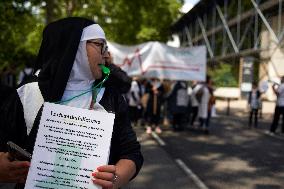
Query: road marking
pixel 193 176
pixel 158 139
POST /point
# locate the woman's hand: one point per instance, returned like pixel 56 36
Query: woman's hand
pixel 105 176
pixel 114 176
pixel 13 171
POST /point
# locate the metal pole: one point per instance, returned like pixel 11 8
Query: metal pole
pixel 191 31
pixel 279 17
pixel 265 22
pixel 205 37
pixel 184 38
pixel 248 25
pixel 239 21
pixel 196 29
pixel 188 37
pixel 255 35
pixel 227 29
pixel 214 25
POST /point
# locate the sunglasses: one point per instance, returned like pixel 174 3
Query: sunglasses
pixel 102 45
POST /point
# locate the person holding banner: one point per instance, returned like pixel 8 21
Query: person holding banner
pixel 155 90
pixel 179 98
pixel 279 108
pixel 71 62
pixel 204 95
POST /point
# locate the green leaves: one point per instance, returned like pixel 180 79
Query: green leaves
pixel 224 75
pixel 16 22
pixel 125 22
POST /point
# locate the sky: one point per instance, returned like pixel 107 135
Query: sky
pixel 188 4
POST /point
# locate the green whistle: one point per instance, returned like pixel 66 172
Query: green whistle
pixel 105 69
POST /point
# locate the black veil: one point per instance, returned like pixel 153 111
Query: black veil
pixel 56 55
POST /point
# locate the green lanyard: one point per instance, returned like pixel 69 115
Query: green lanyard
pixel 93 90
pixel 94 98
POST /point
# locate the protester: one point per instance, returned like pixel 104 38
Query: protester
pixel 144 101
pixel 134 101
pixel 254 104
pixel 179 99
pixel 194 103
pixel 203 96
pixel 211 102
pixel 8 76
pixel 69 57
pixel 279 109
pixel 167 104
pixel 155 90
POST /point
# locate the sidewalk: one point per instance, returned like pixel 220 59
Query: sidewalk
pixel 240 107
pixel 159 169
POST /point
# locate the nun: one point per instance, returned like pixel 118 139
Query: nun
pixel 70 62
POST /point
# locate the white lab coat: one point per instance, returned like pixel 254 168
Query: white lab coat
pixel 203 105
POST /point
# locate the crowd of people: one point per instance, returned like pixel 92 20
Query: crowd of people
pixel 151 101
pixel 190 104
pixel 69 64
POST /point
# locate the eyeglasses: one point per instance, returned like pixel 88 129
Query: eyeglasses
pixel 102 45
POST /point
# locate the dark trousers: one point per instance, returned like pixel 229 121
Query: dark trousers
pixel 208 118
pixel 253 113
pixel 178 121
pixel 194 112
pixel 205 121
pixel 279 110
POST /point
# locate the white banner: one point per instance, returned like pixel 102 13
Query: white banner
pixel 154 59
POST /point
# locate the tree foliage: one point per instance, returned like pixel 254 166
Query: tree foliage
pixel 132 22
pixel 225 75
pixel 124 21
pixel 16 23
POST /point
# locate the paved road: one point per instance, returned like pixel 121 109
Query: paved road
pixel 159 171
pixel 232 156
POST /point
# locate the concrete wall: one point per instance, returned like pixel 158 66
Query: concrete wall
pixel 272 60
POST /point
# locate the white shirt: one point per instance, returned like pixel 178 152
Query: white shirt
pixel 134 90
pixel 254 104
pixel 280 98
pixel 194 102
pixel 203 106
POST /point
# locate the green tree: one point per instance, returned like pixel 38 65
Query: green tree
pixel 124 21
pixel 224 75
pixel 16 22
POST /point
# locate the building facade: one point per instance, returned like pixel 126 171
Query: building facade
pixel 237 31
